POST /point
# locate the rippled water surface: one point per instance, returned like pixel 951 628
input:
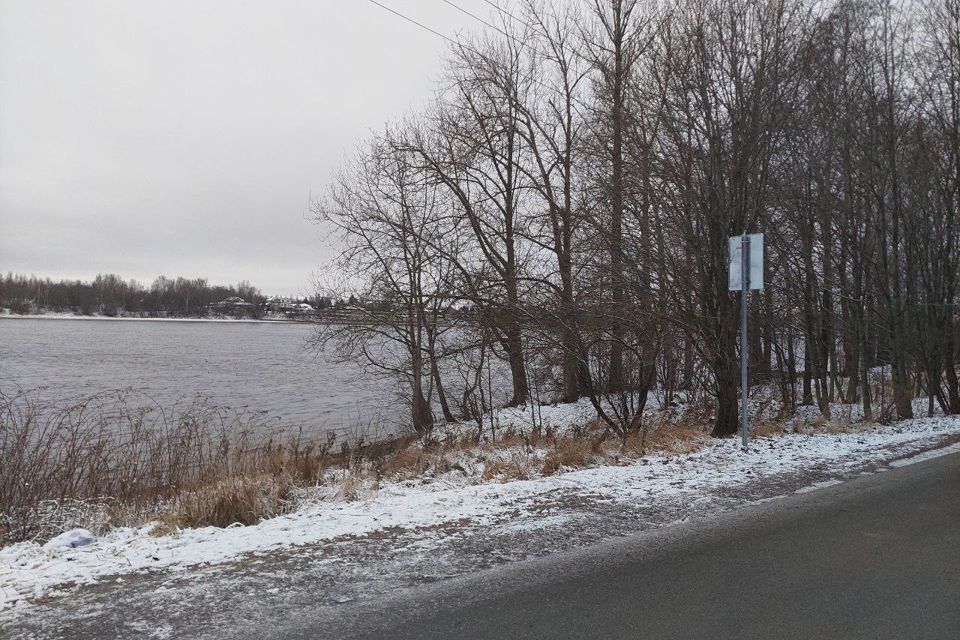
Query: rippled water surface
pixel 261 366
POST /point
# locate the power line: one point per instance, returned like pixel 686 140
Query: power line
pixel 445 37
pixel 489 24
pixel 502 10
pixel 479 19
pixel 441 35
pixel 419 24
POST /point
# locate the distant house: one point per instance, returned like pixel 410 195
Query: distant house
pixel 232 306
pixel 289 307
pixel 279 305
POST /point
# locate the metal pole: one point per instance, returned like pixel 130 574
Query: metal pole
pixel 744 292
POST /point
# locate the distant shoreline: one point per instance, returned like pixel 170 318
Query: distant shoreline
pixel 42 316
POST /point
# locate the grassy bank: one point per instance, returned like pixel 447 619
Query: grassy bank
pixel 112 460
pixel 116 459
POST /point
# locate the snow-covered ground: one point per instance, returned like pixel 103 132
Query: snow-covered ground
pixel 559 417
pixel 764 405
pixel 30 572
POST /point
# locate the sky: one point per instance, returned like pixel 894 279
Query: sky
pixel 186 138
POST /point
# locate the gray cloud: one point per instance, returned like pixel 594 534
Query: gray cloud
pixel 185 138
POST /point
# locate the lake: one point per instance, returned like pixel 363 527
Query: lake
pixel 260 366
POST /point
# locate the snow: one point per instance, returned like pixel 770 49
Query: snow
pixel 30 570
pixel 820 485
pixel 71 539
pixel 926 455
pixel 560 417
pixel 764 404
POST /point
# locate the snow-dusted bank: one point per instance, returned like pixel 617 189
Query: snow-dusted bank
pixel 29 571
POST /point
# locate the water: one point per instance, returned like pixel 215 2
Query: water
pixel 258 366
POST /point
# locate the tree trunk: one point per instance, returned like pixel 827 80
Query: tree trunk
pixel 727 422
pixel 569 338
pixel 902 391
pixel 420 409
pixel 441 394
pixel 686 381
pixel 518 370
pixel 616 378
pixel 950 370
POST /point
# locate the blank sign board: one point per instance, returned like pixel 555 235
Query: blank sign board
pixel 755 268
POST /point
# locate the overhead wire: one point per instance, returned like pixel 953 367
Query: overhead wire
pixel 481 20
pixel 504 11
pixel 456 43
pixel 412 21
pixel 443 35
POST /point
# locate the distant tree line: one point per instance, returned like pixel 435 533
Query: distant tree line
pixel 577 177
pixel 111 295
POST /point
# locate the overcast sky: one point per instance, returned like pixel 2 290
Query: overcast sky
pixel 186 137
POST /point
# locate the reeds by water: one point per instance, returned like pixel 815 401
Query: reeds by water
pixel 117 458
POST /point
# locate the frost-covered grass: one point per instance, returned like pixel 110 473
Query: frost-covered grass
pixel 413 488
pixel 115 459
pixel 189 493
pixel 107 461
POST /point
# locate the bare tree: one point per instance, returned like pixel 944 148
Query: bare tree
pixel 472 148
pixel 387 211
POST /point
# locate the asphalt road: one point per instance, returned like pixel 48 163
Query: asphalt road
pixel 877 557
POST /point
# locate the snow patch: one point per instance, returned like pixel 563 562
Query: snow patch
pixel 926 455
pixel 819 485
pixel 71 539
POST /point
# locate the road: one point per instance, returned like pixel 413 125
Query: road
pixel 876 557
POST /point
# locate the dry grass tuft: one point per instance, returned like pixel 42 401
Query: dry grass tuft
pixel 350 486
pixel 164 525
pixel 570 453
pixel 833 426
pixel 767 428
pixel 519 465
pixel 669 439
pixel 405 463
pixel 235 500
pixel 512 437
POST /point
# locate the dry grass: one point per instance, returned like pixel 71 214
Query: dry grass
pixel 118 459
pixel 518 465
pixel 106 461
pixel 406 463
pixel 767 428
pixel 232 500
pixel 667 438
pixel 570 453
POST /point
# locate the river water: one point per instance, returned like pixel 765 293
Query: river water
pixel 257 366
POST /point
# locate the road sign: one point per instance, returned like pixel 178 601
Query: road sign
pixel 746 258
pixel 754 261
